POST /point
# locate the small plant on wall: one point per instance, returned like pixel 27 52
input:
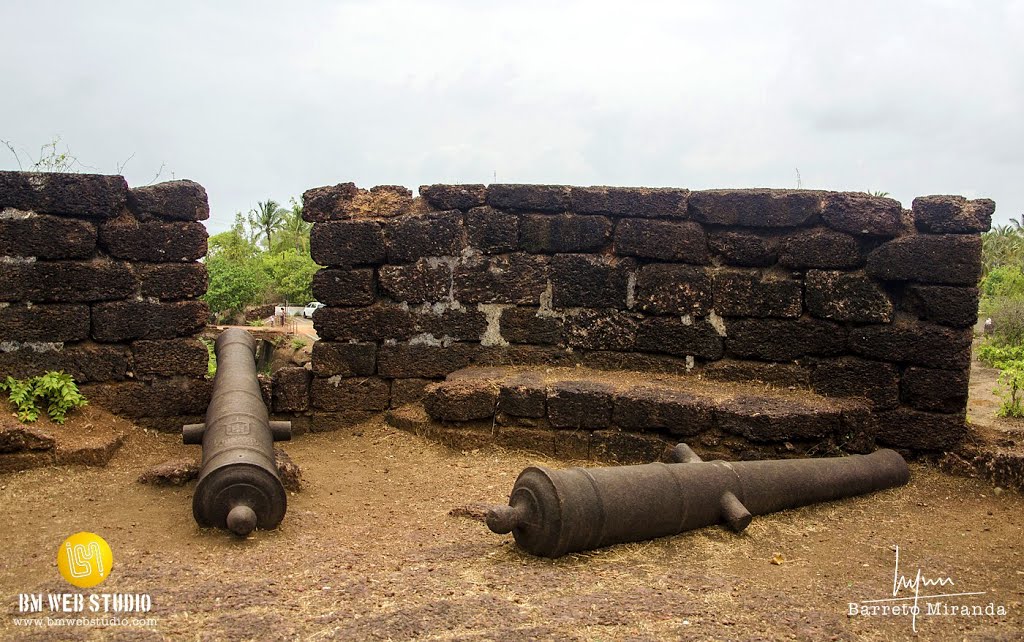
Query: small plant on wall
pixel 55 391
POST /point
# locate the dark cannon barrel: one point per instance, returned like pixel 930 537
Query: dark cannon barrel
pixel 239 485
pixel 555 512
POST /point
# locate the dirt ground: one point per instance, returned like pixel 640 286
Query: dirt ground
pixel 368 551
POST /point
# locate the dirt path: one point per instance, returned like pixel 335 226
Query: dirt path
pixel 368 551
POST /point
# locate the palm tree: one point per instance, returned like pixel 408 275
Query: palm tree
pixel 268 217
pixel 295 230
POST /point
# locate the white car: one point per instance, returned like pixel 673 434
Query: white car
pixel 307 312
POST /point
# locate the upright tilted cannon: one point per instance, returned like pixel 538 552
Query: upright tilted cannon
pixel 239 486
pixel 555 512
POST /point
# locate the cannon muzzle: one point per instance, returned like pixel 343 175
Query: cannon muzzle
pixel 555 512
pixel 239 485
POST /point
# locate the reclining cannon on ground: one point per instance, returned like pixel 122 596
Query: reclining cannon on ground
pixel 239 485
pixel 555 512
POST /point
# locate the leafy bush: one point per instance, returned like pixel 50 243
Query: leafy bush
pixel 1011 378
pixel 1007 316
pixel 995 356
pixel 56 390
pixel 211 362
pixel 298 344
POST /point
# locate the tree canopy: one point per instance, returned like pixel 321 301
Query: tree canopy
pixel 263 258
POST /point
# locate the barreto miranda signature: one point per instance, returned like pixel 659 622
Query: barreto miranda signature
pixel 936 591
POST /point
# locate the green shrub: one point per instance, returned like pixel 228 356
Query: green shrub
pixel 1007 316
pixel 211 362
pixel 995 356
pixel 298 344
pixel 1011 378
pixel 56 390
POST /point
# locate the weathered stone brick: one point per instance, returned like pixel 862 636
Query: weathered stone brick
pixel 129 320
pixel 842 296
pixel 181 200
pixel 574 444
pixel 541 198
pixel 953 214
pixel 47 237
pixel 635 361
pixel 127 238
pixel 345 359
pixel 876 381
pixel 922 344
pixel 492 231
pixel 676 337
pixel 744 249
pixel 943 304
pixel 682 241
pixel 749 294
pixel 466 324
pixel 435 234
pixel 346 201
pixel 67 281
pixel 419 282
pixel 515 278
pixel 75 195
pixel 462 400
pixel 863 214
pixel 916 430
pixel 523 397
pixel 344 288
pixel 621 447
pixel 820 248
pixel 85 362
pixel 950 259
pixel 783 339
pixel 424 361
pixel 172 281
pixel 579 405
pixel 602 329
pixel 760 418
pixel 51 322
pixel 405 391
pixel 337 394
pixel 584 280
pixel 655 408
pixel 454 197
pixel 328 202
pixel 158 398
pixel 755 207
pixel 523 325
pixel 781 375
pixel 291 388
pixel 936 390
pixel 347 243
pixel 187 357
pixel 374 323
pixel 638 202
pixel 553 233
pixel 674 289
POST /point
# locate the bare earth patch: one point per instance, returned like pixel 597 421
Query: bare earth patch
pixel 368 550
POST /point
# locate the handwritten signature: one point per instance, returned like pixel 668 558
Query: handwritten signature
pixel 914 584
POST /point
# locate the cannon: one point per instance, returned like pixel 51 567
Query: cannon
pixel 555 512
pixel 239 485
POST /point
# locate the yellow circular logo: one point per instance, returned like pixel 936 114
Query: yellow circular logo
pixel 85 559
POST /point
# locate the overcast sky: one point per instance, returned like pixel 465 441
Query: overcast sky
pixel 265 100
